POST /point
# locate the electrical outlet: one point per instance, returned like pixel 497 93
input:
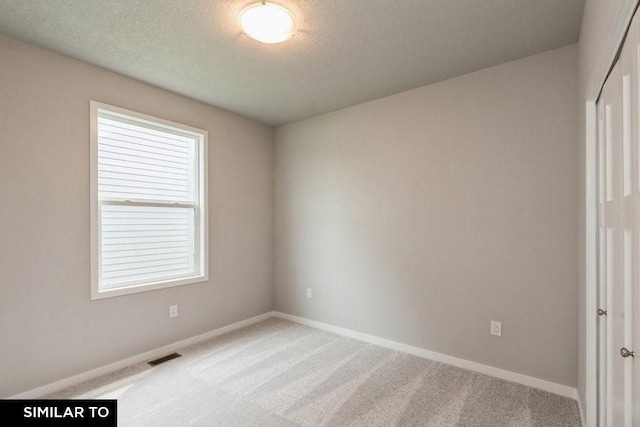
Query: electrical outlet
pixel 496 328
pixel 309 294
pixel 173 311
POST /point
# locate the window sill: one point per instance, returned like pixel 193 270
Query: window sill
pixel 134 289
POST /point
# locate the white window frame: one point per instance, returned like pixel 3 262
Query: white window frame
pixel 201 256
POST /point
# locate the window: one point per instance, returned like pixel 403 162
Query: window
pixel 148 203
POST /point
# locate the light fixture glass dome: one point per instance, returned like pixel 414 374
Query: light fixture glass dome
pixel 268 23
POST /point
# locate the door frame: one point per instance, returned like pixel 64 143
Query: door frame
pixel 606 60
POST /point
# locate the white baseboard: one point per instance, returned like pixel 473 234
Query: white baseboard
pixel 149 355
pixel 551 387
pixel 405 348
pixel 581 412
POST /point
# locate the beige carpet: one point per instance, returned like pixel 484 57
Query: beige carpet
pixel 278 373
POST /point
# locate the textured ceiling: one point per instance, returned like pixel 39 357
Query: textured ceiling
pixel 345 51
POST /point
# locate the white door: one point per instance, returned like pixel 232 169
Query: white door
pixel 619 239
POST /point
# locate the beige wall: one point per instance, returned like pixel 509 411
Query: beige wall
pixel 422 216
pixel 50 329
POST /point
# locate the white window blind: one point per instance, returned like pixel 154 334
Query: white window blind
pixel 141 243
pixel 149 201
pixel 136 162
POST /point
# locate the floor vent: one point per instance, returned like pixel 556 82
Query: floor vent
pixel 163 359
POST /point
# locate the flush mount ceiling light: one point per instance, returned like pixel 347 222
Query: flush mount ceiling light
pixel 267 23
